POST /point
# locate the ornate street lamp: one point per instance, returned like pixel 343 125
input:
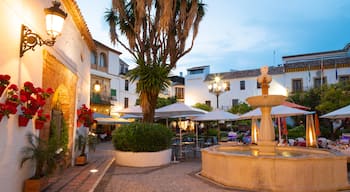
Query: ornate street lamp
pixel 54 22
pixel 217 87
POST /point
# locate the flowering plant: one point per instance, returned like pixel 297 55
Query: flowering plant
pixel 4 80
pixel 11 103
pixel 85 116
pixel 31 99
pixel 41 116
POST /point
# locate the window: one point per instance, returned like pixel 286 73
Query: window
pixel 242 85
pixel 123 69
pixel 113 92
pixel 344 78
pixel 208 103
pixel 126 102
pixel 179 93
pixel 227 86
pixel 198 71
pixel 126 85
pixel 318 83
pixel 93 58
pixel 102 62
pixel 234 102
pixel 297 85
pixel 258 86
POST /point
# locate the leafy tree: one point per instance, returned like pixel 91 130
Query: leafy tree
pixel 334 97
pixel 156 31
pixel 203 106
pixel 161 102
pixel 241 108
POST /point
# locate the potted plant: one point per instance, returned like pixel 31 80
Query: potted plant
pixel 4 82
pixel 142 144
pixel 9 107
pixel 85 116
pixel 31 100
pixel 44 157
pixel 41 119
pixel 82 142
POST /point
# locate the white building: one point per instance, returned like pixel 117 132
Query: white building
pixel 65 67
pixel 176 89
pixel 108 73
pixel 297 73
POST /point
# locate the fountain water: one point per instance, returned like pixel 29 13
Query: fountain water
pixel 266 167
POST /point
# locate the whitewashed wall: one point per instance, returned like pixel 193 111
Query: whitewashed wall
pixel 70 49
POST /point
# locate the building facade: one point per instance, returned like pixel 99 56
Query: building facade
pixel 176 89
pixel 64 67
pixel 111 91
pixel 297 73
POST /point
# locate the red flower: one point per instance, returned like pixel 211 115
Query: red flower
pixel 4 80
pixel 85 116
pixel 7 109
pixel 41 116
pixel 12 95
pixel 32 99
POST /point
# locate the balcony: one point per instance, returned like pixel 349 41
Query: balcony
pixel 100 99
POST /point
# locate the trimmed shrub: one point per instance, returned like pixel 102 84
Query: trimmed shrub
pixel 142 137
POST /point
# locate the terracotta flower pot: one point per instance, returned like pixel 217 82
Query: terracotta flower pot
pixel 39 124
pixel 22 121
pixel 80 160
pixel 35 185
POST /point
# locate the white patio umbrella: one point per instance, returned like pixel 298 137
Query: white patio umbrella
pixel 111 121
pixel 217 115
pixel 108 120
pixel 134 110
pixel 277 111
pixel 338 114
pixel 179 110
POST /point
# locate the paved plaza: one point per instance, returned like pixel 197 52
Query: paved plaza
pixel 176 177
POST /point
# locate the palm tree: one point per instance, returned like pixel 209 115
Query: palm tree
pixel 157 31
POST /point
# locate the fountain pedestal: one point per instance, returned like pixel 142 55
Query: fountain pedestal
pixel 266 133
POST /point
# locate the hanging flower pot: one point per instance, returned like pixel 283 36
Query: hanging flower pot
pixel 39 124
pixel 22 121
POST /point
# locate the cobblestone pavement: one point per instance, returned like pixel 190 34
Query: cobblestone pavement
pixel 171 178
pixel 79 178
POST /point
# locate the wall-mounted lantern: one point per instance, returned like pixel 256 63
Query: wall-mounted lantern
pixel 54 22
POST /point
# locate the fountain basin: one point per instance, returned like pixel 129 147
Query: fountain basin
pixel 290 169
pixel 265 100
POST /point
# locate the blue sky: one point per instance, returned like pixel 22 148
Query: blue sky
pixel 248 34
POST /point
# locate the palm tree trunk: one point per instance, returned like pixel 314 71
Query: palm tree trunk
pixel 148 104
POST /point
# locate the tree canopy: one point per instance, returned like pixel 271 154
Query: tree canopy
pixel 157 33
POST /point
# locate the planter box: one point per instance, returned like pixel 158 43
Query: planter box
pixel 80 160
pixel 143 159
pixel 35 185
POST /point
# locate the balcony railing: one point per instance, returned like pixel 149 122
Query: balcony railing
pixel 100 99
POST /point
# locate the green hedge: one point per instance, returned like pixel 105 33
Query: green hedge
pixel 142 137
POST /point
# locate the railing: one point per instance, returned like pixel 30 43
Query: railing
pixel 100 99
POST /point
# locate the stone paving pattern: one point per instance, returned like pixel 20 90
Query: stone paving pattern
pixel 79 178
pixel 176 177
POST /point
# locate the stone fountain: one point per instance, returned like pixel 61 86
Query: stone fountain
pixel 267 167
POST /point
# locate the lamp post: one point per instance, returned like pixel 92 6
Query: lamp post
pixel 217 87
